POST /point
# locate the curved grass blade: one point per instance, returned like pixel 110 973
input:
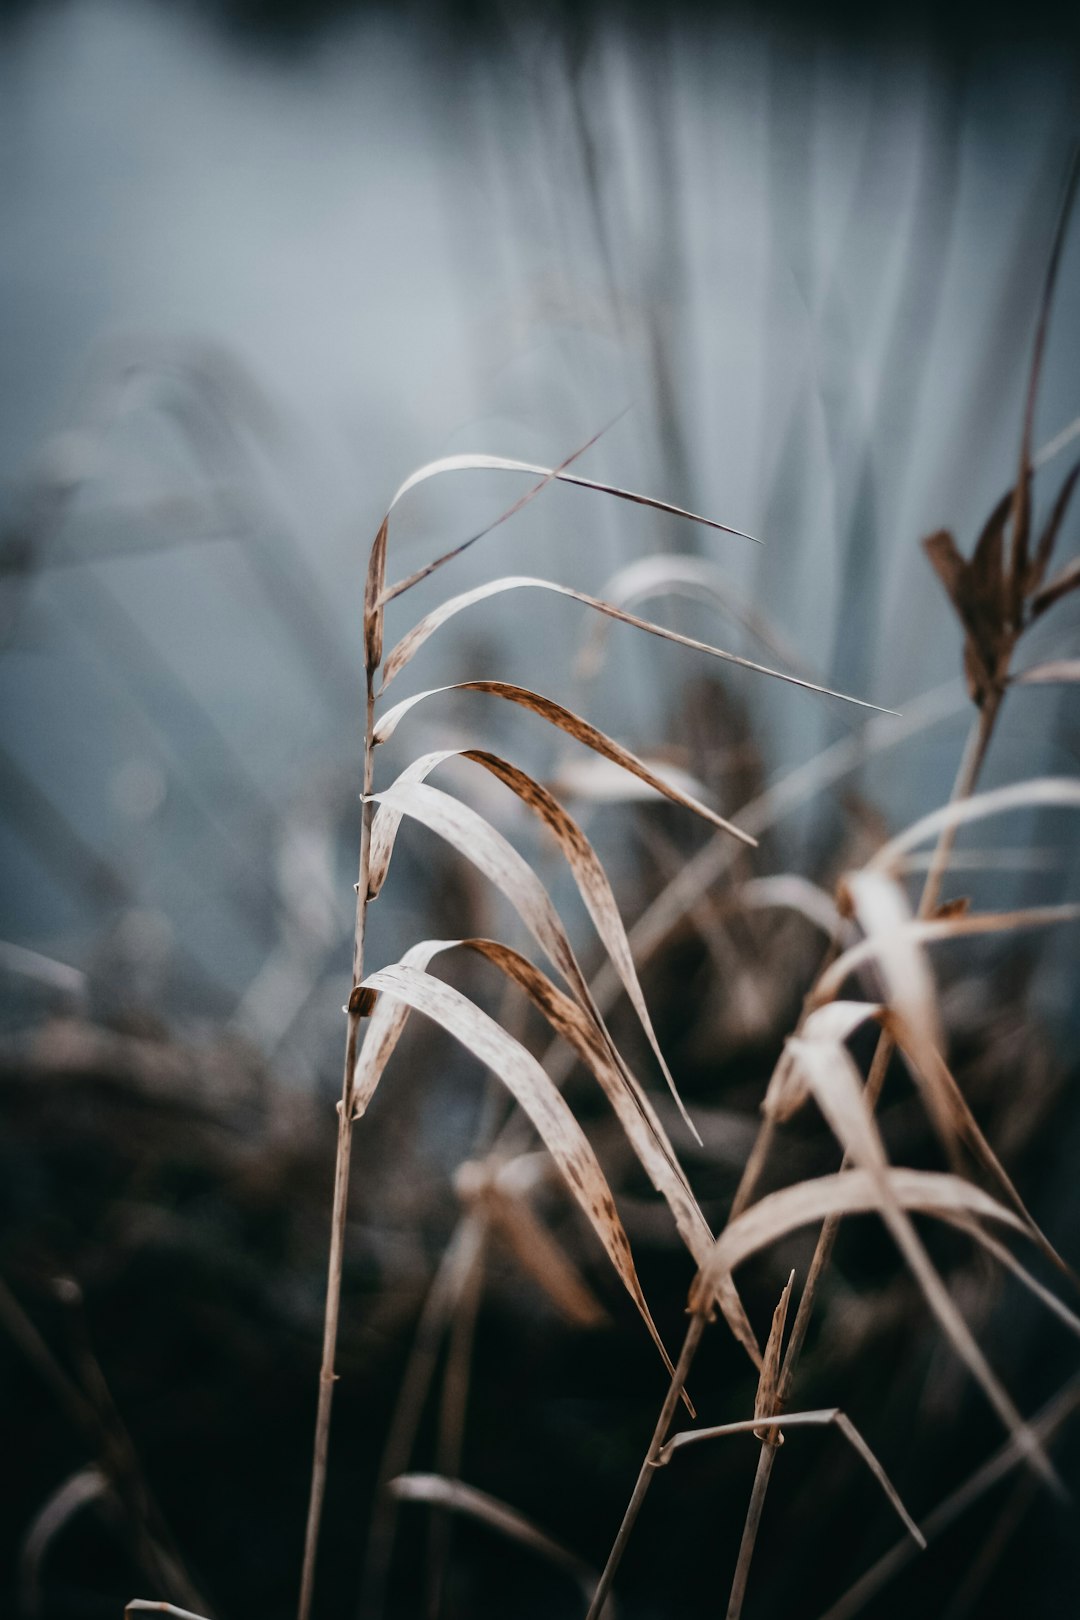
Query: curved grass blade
pixel 584 1036
pixel 574 726
pixel 837 1088
pixel 414 639
pixel 803 1420
pixel 535 1093
pixel 484 463
pixel 588 872
pixel 848 1192
pixel 697 579
pixel 461 1498
pixel 940 928
pixel 1039 793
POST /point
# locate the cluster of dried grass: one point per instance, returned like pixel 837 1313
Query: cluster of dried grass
pixel 878 943
pixel 877 936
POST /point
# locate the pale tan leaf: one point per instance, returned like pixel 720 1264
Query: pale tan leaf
pixel 492 854
pixel 1044 792
pixel 882 909
pixel 837 1021
pixel 414 639
pixel 508 512
pixel 766 1398
pixel 803 1420
pixel 589 875
pixel 534 1092
pixel 574 726
pixel 829 1415
pixel 635 1113
pixel 78 1490
pixel 1005 1257
pixel 837 1087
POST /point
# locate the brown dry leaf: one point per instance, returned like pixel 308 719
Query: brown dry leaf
pixel 461 1498
pixel 414 639
pixel 857 1191
pixel 631 1105
pixel 499 861
pixel 589 875
pixel 946 1104
pixel 837 1087
pixel 574 726
pixel 802 1420
pixel 837 1021
pixel 373 613
pixel 848 1192
pixel 533 1090
pixel 1005 1256
pixel 765 1401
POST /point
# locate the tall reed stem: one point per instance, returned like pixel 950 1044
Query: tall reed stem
pixel 966 778
pixel 327 1375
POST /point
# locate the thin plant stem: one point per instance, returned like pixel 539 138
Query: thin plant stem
pixel 327 1374
pixel 966 778
pixel 648 1468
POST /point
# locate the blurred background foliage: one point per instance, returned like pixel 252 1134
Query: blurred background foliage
pixel 257 263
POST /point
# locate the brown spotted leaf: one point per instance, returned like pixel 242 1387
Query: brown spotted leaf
pixel 574 726
pixel 580 1030
pixel 589 875
pixel 538 1098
